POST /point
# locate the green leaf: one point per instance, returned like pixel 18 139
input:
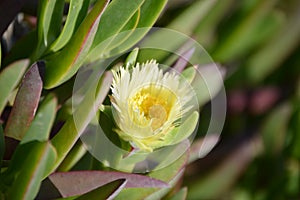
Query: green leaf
pixel 50 15
pixel 21 153
pixel 111 24
pixel 115 18
pixel 41 125
pixel 181 132
pixel 26 102
pixel 77 11
pixel 33 168
pixel 186 128
pixel 189 74
pixel 77 152
pixel 9 79
pixel 166 174
pixel 67 136
pixel 131 58
pixel 115 41
pixel 60 70
pixel 149 13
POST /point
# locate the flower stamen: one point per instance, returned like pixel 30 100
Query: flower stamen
pixel 153 103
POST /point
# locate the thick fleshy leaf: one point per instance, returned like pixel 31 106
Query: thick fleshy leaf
pixel 41 125
pixel 116 40
pixel 107 27
pixel 111 24
pixel 89 180
pixel 26 102
pixel 33 168
pixel 77 11
pixel 70 132
pixel 131 58
pixel 149 12
pixel 50 15
pixel 60 70
pixel 166 174
pixel 9 79
pixel 77 152
pixel 19 155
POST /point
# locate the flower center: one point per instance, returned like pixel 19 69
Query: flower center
pixel 153 104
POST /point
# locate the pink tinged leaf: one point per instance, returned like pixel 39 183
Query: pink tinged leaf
pixel 183 60
pixel 80 182
pixel 60 70
pixel 26 102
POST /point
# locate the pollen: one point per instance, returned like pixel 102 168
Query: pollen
pixel 151 105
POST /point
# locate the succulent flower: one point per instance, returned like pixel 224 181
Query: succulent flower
pixel 149 105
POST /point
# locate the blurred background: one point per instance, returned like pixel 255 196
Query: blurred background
pixel 257 41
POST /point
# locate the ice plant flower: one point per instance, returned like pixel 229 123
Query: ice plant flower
pixel 148 105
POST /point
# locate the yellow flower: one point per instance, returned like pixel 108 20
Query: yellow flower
pixel 149 104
